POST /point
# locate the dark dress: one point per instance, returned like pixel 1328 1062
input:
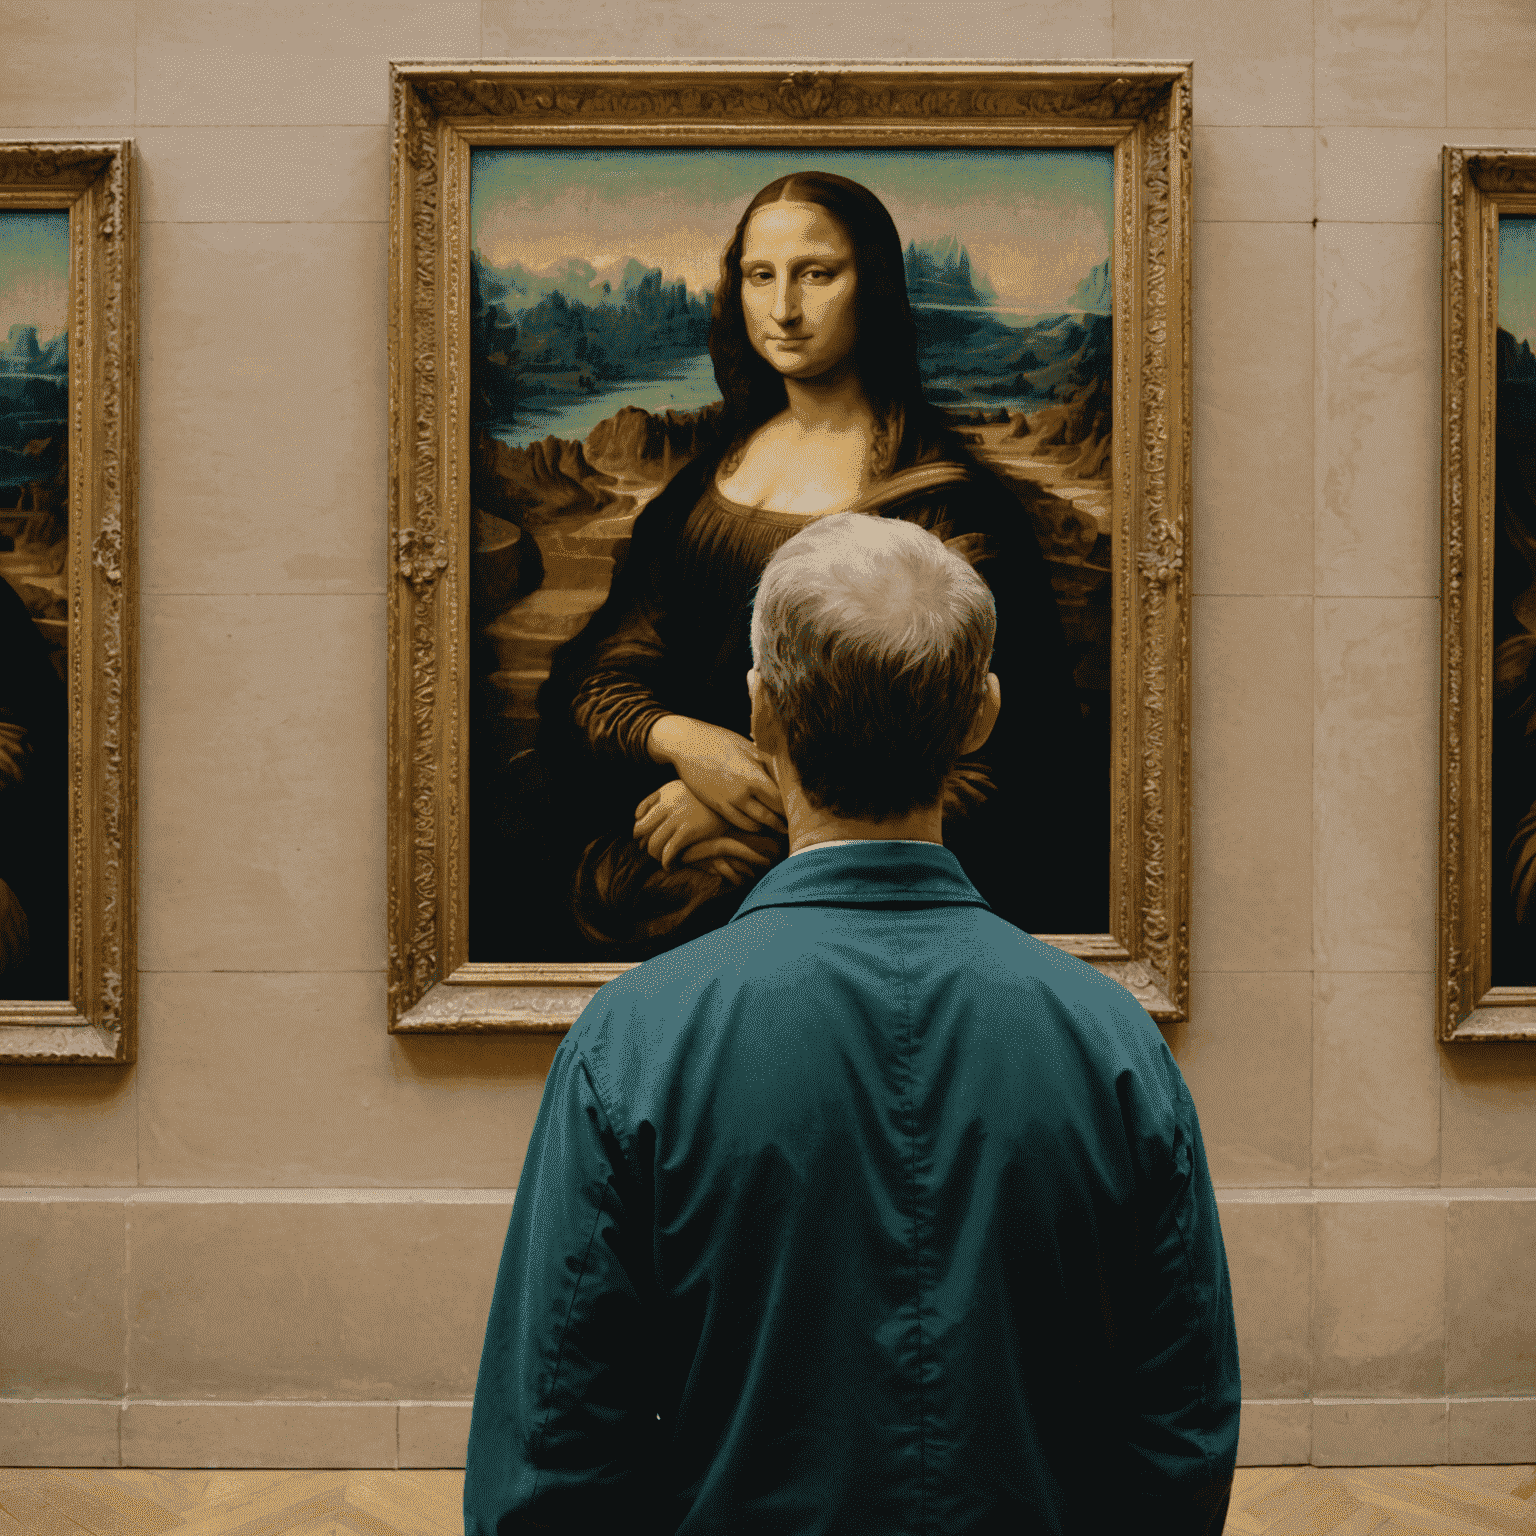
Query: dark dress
pixel 673 638
pixel 1514 670
pixel 34 812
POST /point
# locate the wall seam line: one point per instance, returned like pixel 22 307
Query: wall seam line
pixel 1316 6
pixel 1445 1311
pixel 1444 66
pixel 127 1326
pixel 1445 1268
pixel 1311 1332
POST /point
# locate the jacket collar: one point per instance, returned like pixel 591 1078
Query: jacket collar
pixel 865 874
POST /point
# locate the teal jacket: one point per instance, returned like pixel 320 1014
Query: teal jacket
pixel 866 1212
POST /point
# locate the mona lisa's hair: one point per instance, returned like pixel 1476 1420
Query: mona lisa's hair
pixel 872 641
pixel 886 350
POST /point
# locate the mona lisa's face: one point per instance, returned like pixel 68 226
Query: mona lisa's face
pixel 797 289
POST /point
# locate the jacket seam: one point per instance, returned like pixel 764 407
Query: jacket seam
pixel 917 1235
pixel 565 1327
pixel 1207 1351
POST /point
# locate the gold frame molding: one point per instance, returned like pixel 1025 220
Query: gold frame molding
pixel 95 182
pixel 1480 184
pixel 441 111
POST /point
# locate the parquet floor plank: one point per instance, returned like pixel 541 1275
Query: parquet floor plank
pixel 23 1501
pixel 77 1499
pixel 1383 1501
pixel 406 1507
pixel 441 1494
pixel 1427 1496
pixel 257 1510
pixel 1266 1501
pixel 132 1512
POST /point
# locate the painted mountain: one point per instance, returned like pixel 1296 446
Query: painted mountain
pixel 970 357
pixel 34 480
pixel 940 272
pixel 1092 295
pixel 34 409
pixel 569 329
pixel 518 287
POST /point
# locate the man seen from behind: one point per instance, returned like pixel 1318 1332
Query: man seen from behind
pixel 867 1212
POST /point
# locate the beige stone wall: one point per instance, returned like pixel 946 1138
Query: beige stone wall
pixel 272 1240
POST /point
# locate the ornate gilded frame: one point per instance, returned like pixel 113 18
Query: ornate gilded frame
pixel 441 111
pixel 1480 185
pixel 95 182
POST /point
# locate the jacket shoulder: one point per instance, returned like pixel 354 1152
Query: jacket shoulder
pixel 1104 1014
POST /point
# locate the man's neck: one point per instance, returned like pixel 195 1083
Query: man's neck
pixel 811 825
pixel 853 842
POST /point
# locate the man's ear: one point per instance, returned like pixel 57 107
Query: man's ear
pixel 767 734
pixel 986 715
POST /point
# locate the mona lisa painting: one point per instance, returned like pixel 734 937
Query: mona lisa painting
pixel 670 346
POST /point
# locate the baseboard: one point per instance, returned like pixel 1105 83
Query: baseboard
pixel 138 1433
pixel 64 1432
pixel 1387 1431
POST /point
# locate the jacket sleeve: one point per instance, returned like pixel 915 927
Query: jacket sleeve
pixel 563 1423
pixel 1184 1393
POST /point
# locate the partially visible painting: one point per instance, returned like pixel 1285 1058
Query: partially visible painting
pixel 1514 610
pixel 68 717
pixel 594 405
pixel 34 603
pixel 595 290
pixel 1487 938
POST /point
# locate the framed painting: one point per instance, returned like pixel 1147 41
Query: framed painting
pixel 68 723
pixel 572 388
pixel 1487 928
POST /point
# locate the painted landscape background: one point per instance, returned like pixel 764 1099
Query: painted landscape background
pixel 34 610
pixel 592 276
pixel 34 414
pixel 1514 613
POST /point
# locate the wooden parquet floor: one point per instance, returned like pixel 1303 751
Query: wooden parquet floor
pixel 1274 1501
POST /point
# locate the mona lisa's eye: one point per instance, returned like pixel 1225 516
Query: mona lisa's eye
pixel 759 276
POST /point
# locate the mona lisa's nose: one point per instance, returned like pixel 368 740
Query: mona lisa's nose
pixel 786 303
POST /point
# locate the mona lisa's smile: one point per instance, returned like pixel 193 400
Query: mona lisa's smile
pixel 797 289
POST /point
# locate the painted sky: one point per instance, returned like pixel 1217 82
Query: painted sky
pixel 34 272
pixel 1517 278
pixel 1034 220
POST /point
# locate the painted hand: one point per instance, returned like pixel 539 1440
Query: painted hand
pixel 724 771
pixel 676 827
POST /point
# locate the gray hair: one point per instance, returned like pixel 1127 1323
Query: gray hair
pixel 872 641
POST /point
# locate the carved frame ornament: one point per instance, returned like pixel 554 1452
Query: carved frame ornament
pixel 440 112
pixel 1479 186
pixel 95 182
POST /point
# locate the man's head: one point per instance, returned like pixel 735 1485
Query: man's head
pixel 870 645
